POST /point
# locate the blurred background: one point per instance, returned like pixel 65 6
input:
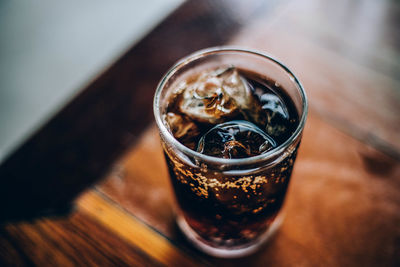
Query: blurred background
pixel 82 176
pixel 51 50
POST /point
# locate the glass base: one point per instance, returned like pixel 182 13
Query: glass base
pixel 224 252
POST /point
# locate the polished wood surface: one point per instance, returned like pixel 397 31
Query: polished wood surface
pixel 339 200
pixel 343 204
pixel 344 60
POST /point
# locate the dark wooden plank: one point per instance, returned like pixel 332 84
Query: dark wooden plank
pixel 75 241
pixel 10 253
pixel 78 145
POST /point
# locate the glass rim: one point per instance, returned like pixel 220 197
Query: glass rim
pixel 214 160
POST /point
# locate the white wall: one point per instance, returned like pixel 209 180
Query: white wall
pixel 50 50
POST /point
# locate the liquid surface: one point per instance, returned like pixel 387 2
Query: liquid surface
pixel 230 113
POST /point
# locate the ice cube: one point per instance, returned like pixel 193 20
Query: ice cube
pixel 183 129
pixel 215 96
pixel 277 115
pixel 236 87
pixel 235 139
pixel 274 104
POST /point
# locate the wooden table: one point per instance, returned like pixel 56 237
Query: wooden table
pixel 343 204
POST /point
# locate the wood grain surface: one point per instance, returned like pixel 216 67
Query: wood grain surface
pixel 75 241
pixel 355 86
pixel 343 204
pixel 342 207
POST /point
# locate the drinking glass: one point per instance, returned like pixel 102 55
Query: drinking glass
pixel 229 207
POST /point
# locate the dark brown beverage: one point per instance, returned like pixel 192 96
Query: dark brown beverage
pixel 230 113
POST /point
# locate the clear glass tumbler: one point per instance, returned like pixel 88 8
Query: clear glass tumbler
pixel 229 207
